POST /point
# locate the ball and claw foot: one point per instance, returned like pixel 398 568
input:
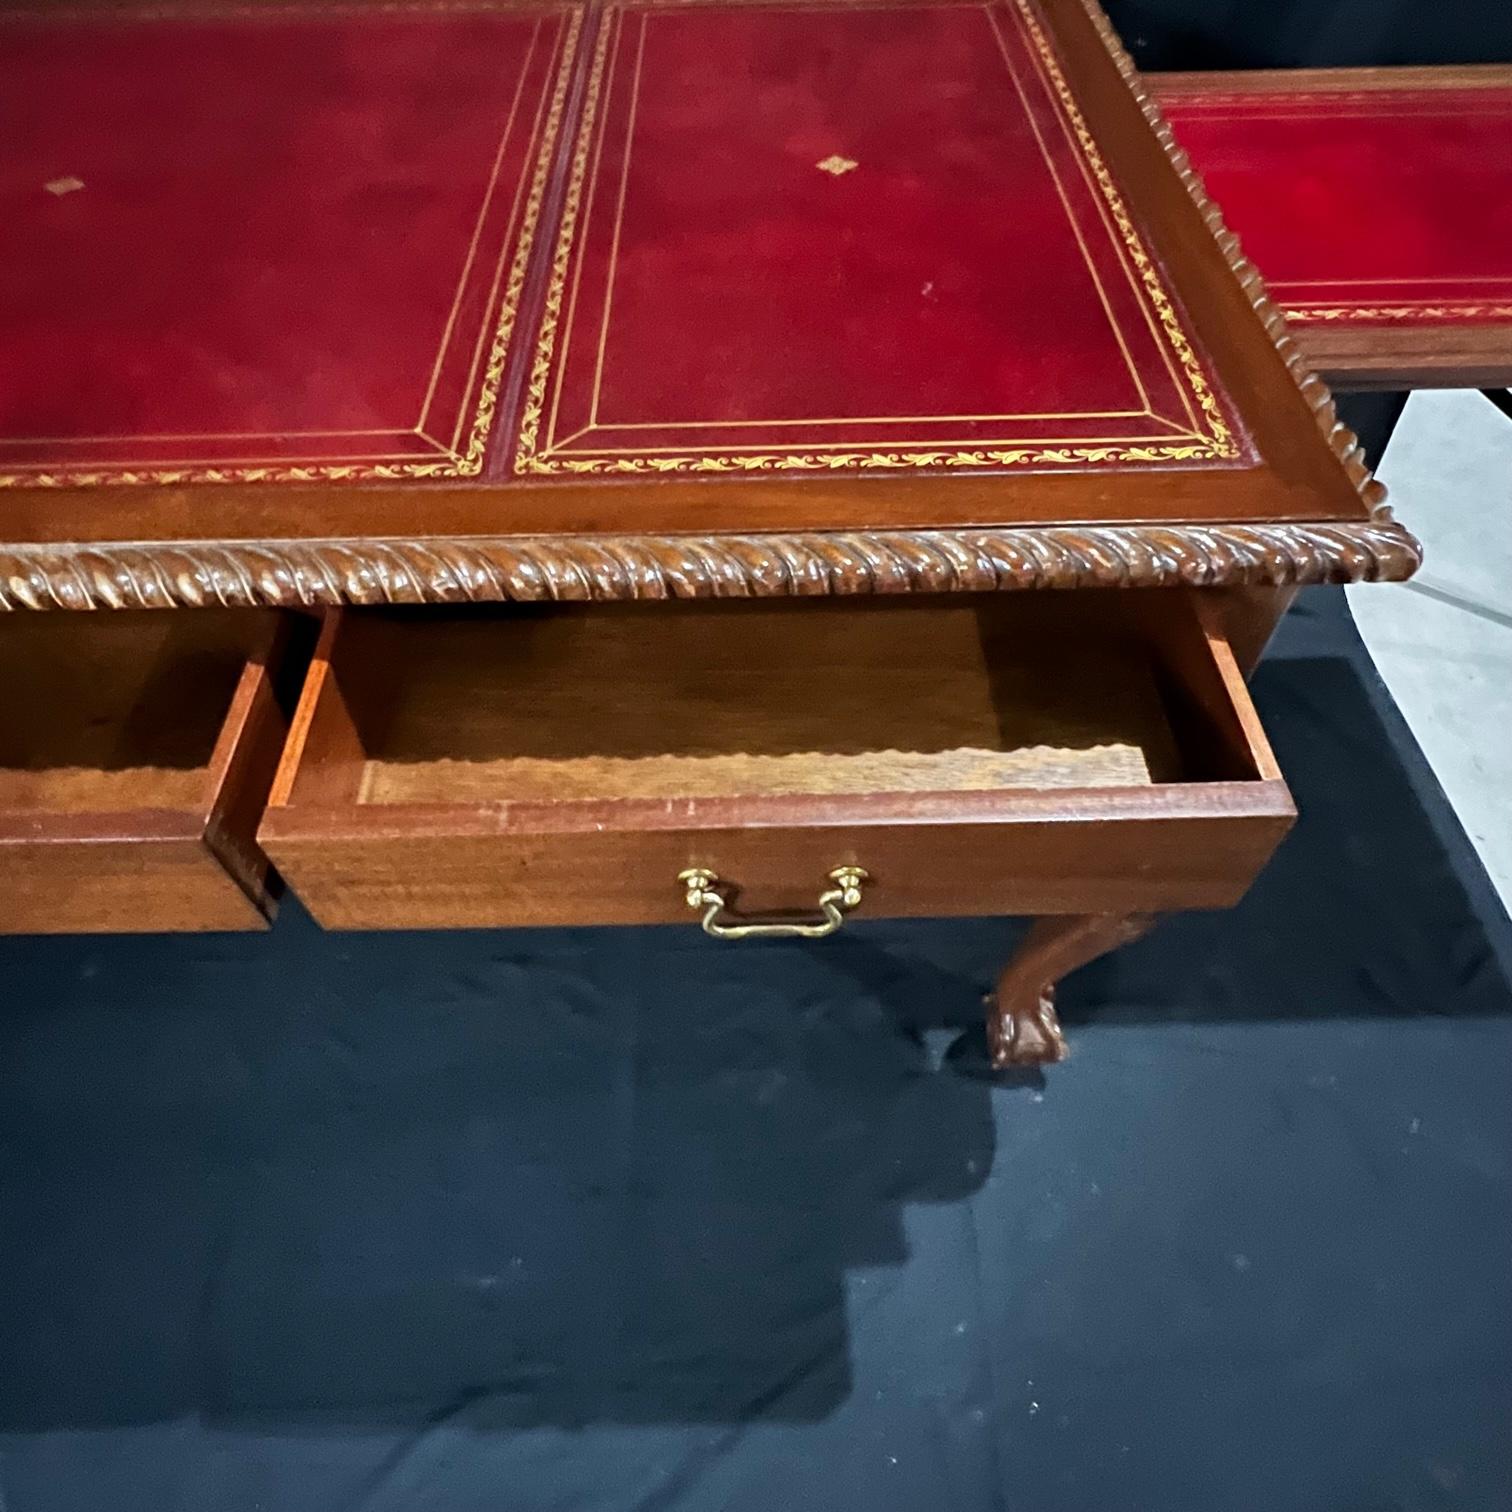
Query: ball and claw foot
pixel 1022 1026
pixel 1024 1033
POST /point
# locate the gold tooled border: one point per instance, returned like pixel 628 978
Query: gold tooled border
pixel 1218 444
pixel 1223 441
pixel 1403 311
pixel 466 463
pixel 1387 100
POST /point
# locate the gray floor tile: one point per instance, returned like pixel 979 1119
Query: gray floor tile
pixel 1444 645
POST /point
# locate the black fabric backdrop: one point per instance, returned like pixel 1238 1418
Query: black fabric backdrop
pixel 1307 34
pixel 629 1219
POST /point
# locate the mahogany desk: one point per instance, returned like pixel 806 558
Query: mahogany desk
pixel 904 328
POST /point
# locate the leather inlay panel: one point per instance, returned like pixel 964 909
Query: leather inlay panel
pixel 1364 205
pixel 285 246
pixel 851 238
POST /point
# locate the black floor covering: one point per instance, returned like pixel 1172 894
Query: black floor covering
pixel 632 1220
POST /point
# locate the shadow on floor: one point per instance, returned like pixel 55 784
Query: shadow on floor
pixel 323 1185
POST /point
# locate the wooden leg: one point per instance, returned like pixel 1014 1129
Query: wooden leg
pixel 1022 1027
pixel 1249 617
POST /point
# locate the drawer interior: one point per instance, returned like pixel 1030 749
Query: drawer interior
pixel 689 701
pixel 114 711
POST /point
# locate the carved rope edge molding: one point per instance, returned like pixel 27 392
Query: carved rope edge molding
pixel 292 574
pixel 1345 444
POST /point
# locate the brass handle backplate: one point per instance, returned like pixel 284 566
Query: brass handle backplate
pixel 705 895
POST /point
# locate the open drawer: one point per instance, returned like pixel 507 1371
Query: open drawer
pixel 136 752
pixel 1033 753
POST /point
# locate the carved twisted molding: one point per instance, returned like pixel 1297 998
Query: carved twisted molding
pixel 291 574
pixel 1345 443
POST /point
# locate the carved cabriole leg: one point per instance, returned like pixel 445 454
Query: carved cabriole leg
pixel 1022 1027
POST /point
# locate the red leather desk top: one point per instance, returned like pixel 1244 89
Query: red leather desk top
pixel 471 244
pixel 1361 202
pixel 817 239
pixel 309 302
pixel 268 245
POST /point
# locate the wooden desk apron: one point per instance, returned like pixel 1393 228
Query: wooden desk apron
pixel 547 307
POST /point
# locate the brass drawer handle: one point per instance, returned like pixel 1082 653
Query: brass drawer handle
pixel 705 895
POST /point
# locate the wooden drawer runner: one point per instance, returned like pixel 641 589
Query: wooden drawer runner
pixel 1033 753
pixel 136 753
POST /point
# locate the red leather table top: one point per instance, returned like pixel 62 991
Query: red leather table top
pixel 261 242
pixel 1362 203
pixel 787 238
pixel 810 239
pixel 415 283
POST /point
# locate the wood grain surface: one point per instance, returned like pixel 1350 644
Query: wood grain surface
pixel 703 702
pixel 135 755
pixel 412 829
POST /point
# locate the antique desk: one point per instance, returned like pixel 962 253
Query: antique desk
pixel 755 464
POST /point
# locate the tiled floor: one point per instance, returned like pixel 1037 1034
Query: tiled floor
pixel 1444 643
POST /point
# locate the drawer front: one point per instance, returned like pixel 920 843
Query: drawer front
pixel 131 802
pixel 1042 864
pixel 130 886
pixel 376 733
